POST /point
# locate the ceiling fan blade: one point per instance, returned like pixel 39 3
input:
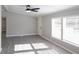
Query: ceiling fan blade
pixel 35 8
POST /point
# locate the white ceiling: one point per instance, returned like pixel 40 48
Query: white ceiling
pixel 44 9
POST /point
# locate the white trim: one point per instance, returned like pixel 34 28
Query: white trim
pixel 12 35
pixel 20 35
pixel 30 34
pixel 0 29
pixel 44 37
pixel 0 50
pixel 59 45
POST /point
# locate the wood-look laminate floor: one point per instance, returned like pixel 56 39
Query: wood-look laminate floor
pixel 30 45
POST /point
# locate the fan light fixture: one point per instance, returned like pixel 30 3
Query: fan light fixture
pixel 28 11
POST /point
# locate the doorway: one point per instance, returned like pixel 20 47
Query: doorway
pixel 3 26
pixel 4 40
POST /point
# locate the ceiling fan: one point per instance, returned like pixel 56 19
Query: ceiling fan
pixel 29 9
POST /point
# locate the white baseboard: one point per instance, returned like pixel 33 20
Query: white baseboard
pixel 64 48
pixel 30 34
pixel 12 35
pixel 44 37
pixel 59 45
pixel 20 35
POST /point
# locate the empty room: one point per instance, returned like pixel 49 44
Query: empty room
pixel 39 29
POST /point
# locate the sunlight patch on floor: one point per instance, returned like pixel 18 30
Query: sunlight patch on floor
pixel 39 45
pixel 21 47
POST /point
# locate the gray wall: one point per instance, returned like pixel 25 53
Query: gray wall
pixel 19 25
pixel 46 27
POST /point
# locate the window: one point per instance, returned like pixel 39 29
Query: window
pixel 71 29
pixel 56 28
pixel 66 29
